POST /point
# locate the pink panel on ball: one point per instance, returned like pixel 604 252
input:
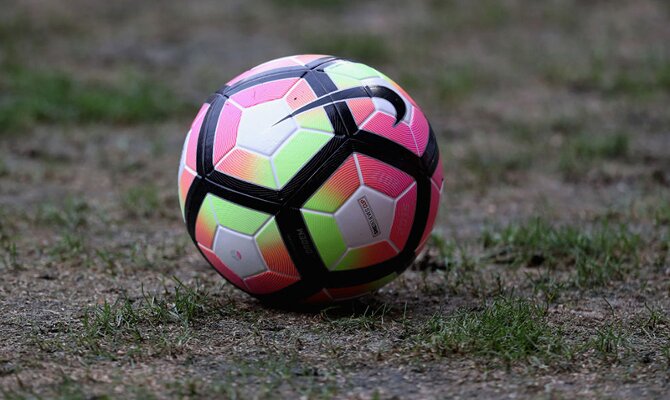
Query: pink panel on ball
pixel 308 58
pixel 205 227
pixel 420 129
pixel 264 92
pixel 277 258
pixel 226 131
pixel 376 253
pixel 382 125
pixel 360 257
pixel 222 268
pixel 337 189
pixel 185 181
pixel 274 64
pixel 345 180
pixel 268 282
pixel 432 213
pixel 192 146
pixel 403 218
pixel 300 95
pixel 248 166
pixel 383 177
pixel 438 175
pixel 361 109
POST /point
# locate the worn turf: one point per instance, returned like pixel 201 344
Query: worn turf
pixel 548 273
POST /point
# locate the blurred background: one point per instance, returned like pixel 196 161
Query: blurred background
pixel 556 109
pixel 559 103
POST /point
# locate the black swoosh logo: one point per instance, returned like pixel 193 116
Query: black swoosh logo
pixel 381 92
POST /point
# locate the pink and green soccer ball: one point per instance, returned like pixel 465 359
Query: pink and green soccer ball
pixel 310 179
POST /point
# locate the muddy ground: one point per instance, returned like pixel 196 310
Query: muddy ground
pixel 548 275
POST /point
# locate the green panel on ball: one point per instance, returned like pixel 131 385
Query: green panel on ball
pixel 248 166
pixel 326 236
pixel 269 236
pixel 343 81
pixel 365 256
pixel 205 224
pixel 352 70
pixel 236 217
pixel 336 190
pixel 316 119
pixel 295 153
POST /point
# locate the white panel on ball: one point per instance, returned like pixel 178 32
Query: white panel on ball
pixel 182 159
pixel 366 217
pixel 239 252
pixel 258 132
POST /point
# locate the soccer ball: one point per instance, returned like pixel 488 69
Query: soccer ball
pixel 310 179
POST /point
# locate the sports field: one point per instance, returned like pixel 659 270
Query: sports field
pixel 547 275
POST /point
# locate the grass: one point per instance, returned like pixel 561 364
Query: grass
pixel 661 212
pixel 161 325
pixel 66 389
pixel 161 322
pixel 663 253
pixel 584 152
pixel 488 14
pixel 182 304
pixel 527 131
pixel 142 201
pixel 72 214
pixel 70 218
pixel 509 329
pixel 29 97
pixel 515 330
pixel 548 286
pixel 363 47
pixel 68 248
pixel 609 340
pixel 456 83
pixel 441 252
pixel 594 256
pixel 327 5
pixel 656 322
pixel 143 253
pixel 10 255
pixel 71 221
pixel 372 318
pixel 604 74
pixel 495 166
pixel 4 168
pixel 110 319
pixel 653 327
pixel 454 268
pixel 281 371
pixel 451 86
pixel 599 146
pixel 265 378
pixel 531 298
